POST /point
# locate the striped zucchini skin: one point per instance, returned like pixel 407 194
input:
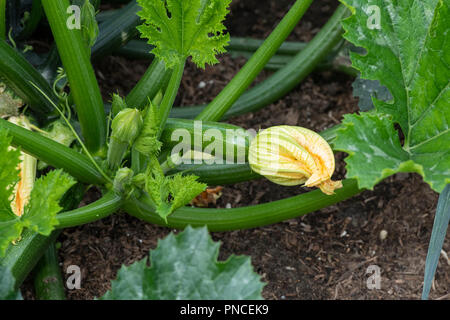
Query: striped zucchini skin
pixel 232 138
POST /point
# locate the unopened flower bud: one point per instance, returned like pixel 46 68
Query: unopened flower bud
pixel 126 127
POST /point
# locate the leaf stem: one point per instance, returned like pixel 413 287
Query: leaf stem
pixel 285 79
pixel 245 217
pixel 54 153
pixel 217 108
pixel 80 74
pixel 105 206
pixel 170 94
pixel 155 78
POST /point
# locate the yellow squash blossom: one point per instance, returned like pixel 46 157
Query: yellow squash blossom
pixel 289 155
pixel 27 171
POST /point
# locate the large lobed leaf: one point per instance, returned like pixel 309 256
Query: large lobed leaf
pixel 185 267
pixel 40 212
pixel 182 28
pixel 410 55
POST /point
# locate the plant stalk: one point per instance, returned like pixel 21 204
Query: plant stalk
pixel 80 74
pixel 155 78
pixel 54 153
pixel 245 217
pixel 285 79
pixel 241 81
pixel 170 94
pixel 105 206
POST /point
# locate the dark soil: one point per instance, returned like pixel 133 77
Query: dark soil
pixel 323 255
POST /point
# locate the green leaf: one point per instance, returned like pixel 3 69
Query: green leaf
pixel 417 74
pixel 440 226
pixel 183 189
pixel 40 213
pixel 171 193
pixel 7 285
pixel 374 148
pixel 185 267
pixel 182 28
pixel 147 143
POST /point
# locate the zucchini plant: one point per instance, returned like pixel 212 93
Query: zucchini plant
pixel 126 147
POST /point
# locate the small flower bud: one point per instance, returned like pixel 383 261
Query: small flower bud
pixel 290 156
pixel 126 127
pixel 123 181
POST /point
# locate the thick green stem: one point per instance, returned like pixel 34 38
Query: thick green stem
pixel 231 141
pixel 48 281
pixel 245 217
pixel 170 94
pixel 80 74
pixel 155 78
pixel 105 206
pixel 219 174
pixel 19 75
pixel 217 108
pixel 284 80
pixel 53 153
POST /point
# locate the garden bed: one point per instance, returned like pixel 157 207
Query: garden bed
pixel 323 255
